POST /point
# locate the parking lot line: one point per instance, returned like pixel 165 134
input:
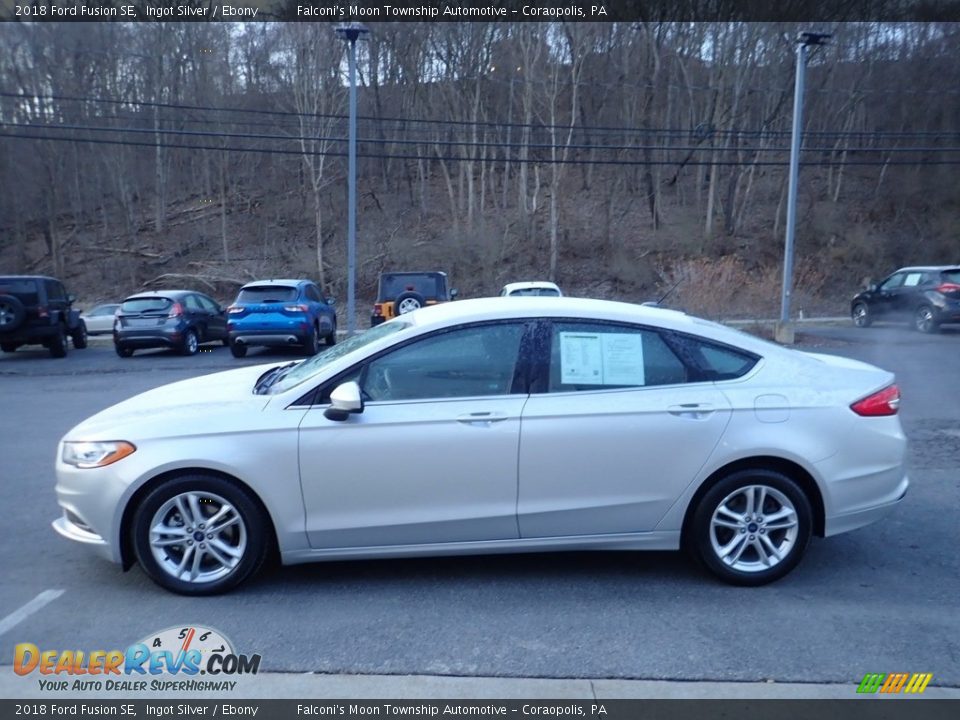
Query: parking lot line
pixel 21 614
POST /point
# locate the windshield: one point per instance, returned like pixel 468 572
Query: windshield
pixel 535 292
pixel 267 293
pixel 308 368
pixel 150 304
pixel 430 286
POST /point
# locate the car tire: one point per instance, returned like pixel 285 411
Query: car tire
pixel 123 351
pixel 8 347
pixel 861 315
pixel 58 343
pixel 79 336
pixel 225 341
pixel 238 350
pixel 774 537
pixel 12 313
pixel 925 320
pixel 206 563
pixel 408 302
pixel 331 339
pixel 310 344
pixel 190 344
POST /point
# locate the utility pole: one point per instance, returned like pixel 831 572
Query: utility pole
pixel 351 32
pixel 784 330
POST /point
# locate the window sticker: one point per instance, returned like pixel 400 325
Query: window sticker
pixel 601 358
pixel 912 279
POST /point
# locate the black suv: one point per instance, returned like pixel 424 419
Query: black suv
pixel 36 310
pixel 927 297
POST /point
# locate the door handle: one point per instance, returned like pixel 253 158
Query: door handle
pixel 691 411
pixel 481 418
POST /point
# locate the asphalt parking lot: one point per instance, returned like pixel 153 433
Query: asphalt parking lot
pixel 881 599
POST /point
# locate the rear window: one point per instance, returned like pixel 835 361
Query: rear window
pixel 950 276
pixel 717 362
pixel 24 290
pixel 429 286
pixel 535 292
pixel 267 294
pixel 146 304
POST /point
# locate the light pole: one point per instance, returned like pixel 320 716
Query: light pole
pixel 351 32
pixel 804 40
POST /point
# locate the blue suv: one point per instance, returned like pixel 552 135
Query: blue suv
pixel 280 313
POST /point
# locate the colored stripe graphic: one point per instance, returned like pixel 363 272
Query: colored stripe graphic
pixel 894 683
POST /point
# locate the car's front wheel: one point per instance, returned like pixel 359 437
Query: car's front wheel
pixel 861 315
pixel 200 535
pixel 925 320
pixel 752 527
pixel 79 336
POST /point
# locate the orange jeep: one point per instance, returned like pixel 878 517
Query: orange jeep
pixel 401 292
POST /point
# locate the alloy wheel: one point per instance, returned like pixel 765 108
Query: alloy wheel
pixel 197 537
pixel 754 528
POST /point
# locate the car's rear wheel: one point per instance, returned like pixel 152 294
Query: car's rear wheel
pixel 58 343
pixel 310 343
pixel 190 343
pixel 8 347
pixel 925 320
pixel 332 337
pixel 752 527
pixel 200 535
pixel 123 351
pixel 79 336
pixel 238 350
pixel 861 315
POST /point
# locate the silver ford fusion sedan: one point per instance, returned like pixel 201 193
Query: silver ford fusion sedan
pixel 490 426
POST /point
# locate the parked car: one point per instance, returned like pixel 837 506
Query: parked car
pixel 37 310
pixel 489 426
pixel 539 288
pixel 399 293
pixel 99 319
pixel 927 297
pixel 281 313
pixel 181 320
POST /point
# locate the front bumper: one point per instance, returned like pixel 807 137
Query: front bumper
pixel 66 527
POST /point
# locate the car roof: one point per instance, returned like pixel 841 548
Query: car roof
pixel 528 285
pixel 277 282
pixel 28 277
pixel 415 272
pixel 929 268
pixel 163 293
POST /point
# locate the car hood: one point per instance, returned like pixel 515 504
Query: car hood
pixel 209 402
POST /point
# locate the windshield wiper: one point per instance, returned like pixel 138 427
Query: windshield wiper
pixel 270 377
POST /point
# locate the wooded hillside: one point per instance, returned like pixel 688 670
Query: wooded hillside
pixel 613 158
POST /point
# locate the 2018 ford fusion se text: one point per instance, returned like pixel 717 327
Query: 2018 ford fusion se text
pixel 488 426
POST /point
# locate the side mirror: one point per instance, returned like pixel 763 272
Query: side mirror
pixel 331 301
pixel 344 400
pixel 71 298
pixel 454 293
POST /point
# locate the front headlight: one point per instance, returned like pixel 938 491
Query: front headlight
pixel 95 454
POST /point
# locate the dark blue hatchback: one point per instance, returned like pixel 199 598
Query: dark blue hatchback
pixel 281 313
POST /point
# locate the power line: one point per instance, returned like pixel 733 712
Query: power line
pixel 686 132
pixel 470 144
pixel 535 161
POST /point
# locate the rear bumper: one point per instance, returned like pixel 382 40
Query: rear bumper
pixel 30 335
pixel 265 339
pixel 151 339
pixel 844 522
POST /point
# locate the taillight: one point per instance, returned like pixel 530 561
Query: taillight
pixel 884 402
pixel 234 309
pixel 176 310
pixel 295 308
pixel 378 309
pixel 949 289
pixel 42 312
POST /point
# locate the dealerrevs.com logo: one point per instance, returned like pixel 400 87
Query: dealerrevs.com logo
pixel 169 660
